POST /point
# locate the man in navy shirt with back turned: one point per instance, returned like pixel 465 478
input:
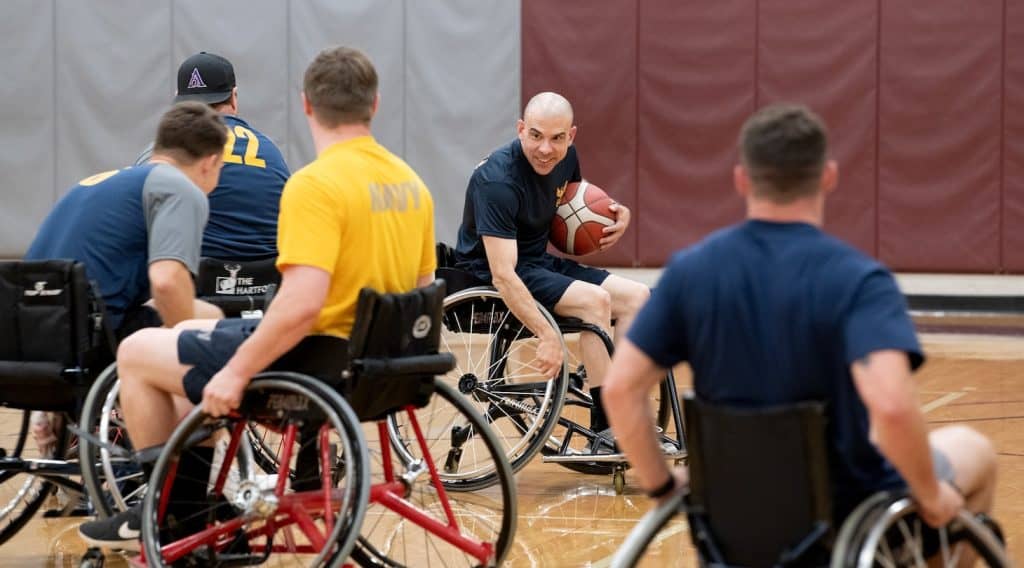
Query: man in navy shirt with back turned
pixel 510 203
pixel 774 311
pixel 245 203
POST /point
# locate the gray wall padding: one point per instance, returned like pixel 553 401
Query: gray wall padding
pixel 85 83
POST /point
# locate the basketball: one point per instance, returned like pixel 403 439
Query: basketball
pixel 583 212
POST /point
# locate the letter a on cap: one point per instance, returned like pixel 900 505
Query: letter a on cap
pixel 196 81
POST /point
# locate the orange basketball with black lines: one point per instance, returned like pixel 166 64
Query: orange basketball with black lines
pixel 583 213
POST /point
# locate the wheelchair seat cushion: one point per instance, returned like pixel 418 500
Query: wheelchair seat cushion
pixel 35 385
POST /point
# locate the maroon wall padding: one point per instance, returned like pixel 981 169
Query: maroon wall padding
pixel 939 124
pixel 1013 139
pixel 824 54
pixel 696 89
pixel 924 101
pixel 587 51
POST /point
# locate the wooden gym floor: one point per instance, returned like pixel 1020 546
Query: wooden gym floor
pixel 569 519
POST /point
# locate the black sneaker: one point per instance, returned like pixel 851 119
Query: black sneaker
pixel 120 531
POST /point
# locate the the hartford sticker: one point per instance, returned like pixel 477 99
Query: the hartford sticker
pixel 235 285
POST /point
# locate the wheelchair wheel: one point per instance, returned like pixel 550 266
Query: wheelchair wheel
pixel 21 494
pixel 496 371
pixel 237 515
pixel 888 532
pixel 113 482
pixel 417 502
pixel 645 531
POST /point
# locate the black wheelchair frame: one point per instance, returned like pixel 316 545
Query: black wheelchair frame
pixel 746 460
pixel 533 407
pixel 54 343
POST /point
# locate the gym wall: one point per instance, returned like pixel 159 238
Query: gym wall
pixel 924 100
pixel 85 83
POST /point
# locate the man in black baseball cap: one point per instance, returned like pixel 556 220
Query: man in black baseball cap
pixel 244 207
pixel 206 78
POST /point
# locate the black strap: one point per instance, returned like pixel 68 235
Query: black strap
pixel 665 488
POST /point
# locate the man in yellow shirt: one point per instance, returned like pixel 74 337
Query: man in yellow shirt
pixel 357 216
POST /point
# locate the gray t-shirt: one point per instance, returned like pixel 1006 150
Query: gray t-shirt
pixel 176 212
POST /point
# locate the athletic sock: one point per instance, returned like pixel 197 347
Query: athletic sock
pixel 188 499
pixel 598 420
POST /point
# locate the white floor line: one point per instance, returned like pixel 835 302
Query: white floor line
pixel 942 401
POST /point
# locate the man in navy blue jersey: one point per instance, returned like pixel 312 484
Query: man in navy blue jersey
pixel 773 311
pixel 506 223
pixel 245 203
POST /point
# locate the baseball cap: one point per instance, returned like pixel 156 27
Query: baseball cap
pixel 206 78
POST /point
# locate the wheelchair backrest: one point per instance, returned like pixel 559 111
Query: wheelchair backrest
pixel 445 256
pixel 48 312
pixel 456 279
pixel 393 350
pixel 397 325
pixel 227 278
pixel 758 478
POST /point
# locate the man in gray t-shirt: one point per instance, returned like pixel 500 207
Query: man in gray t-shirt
pixel 139 230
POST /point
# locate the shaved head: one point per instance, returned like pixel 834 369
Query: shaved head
pixel 548 105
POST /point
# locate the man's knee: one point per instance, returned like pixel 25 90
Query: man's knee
pixel 131 351
pixel 970 452
pixel 635 297
pixel 596 304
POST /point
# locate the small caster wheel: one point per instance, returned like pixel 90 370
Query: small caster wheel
pixel 619 481
pixel 93 558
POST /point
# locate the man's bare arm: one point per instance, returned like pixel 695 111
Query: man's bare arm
pixel 627 401
pixel 170 284
pixel 502 255
pixel 883 380
pixel 289 318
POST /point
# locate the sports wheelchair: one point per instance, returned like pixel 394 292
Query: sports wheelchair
pixel 55 347
pixel 322 495
pixel 114 482
pixel 744 463
pixel 238 288
pixel 531 413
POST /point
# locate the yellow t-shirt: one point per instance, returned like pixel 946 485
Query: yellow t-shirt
pixel 363 215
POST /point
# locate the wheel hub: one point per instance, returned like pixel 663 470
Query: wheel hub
pixel 251 499
pixel 468 383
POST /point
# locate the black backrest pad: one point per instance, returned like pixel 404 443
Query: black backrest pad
pixel 760 475
pixel 389 327
pixel 44 311
pixel 228 278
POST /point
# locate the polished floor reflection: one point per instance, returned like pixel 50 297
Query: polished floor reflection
pixel 569 519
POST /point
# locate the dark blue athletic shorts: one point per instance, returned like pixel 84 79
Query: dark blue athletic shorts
pixel 209 350
pixel 548 277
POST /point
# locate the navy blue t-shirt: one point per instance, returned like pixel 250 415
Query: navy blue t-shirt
pixel 772 313
pixel 245 204
pixel 506 198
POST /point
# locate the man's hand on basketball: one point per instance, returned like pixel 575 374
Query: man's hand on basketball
pixel 939 510
pixel 224 392
pixel 614 232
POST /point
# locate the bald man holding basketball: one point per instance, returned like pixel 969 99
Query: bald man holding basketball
pixel 506 223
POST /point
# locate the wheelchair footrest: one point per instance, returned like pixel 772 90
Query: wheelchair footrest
pixel 605 458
